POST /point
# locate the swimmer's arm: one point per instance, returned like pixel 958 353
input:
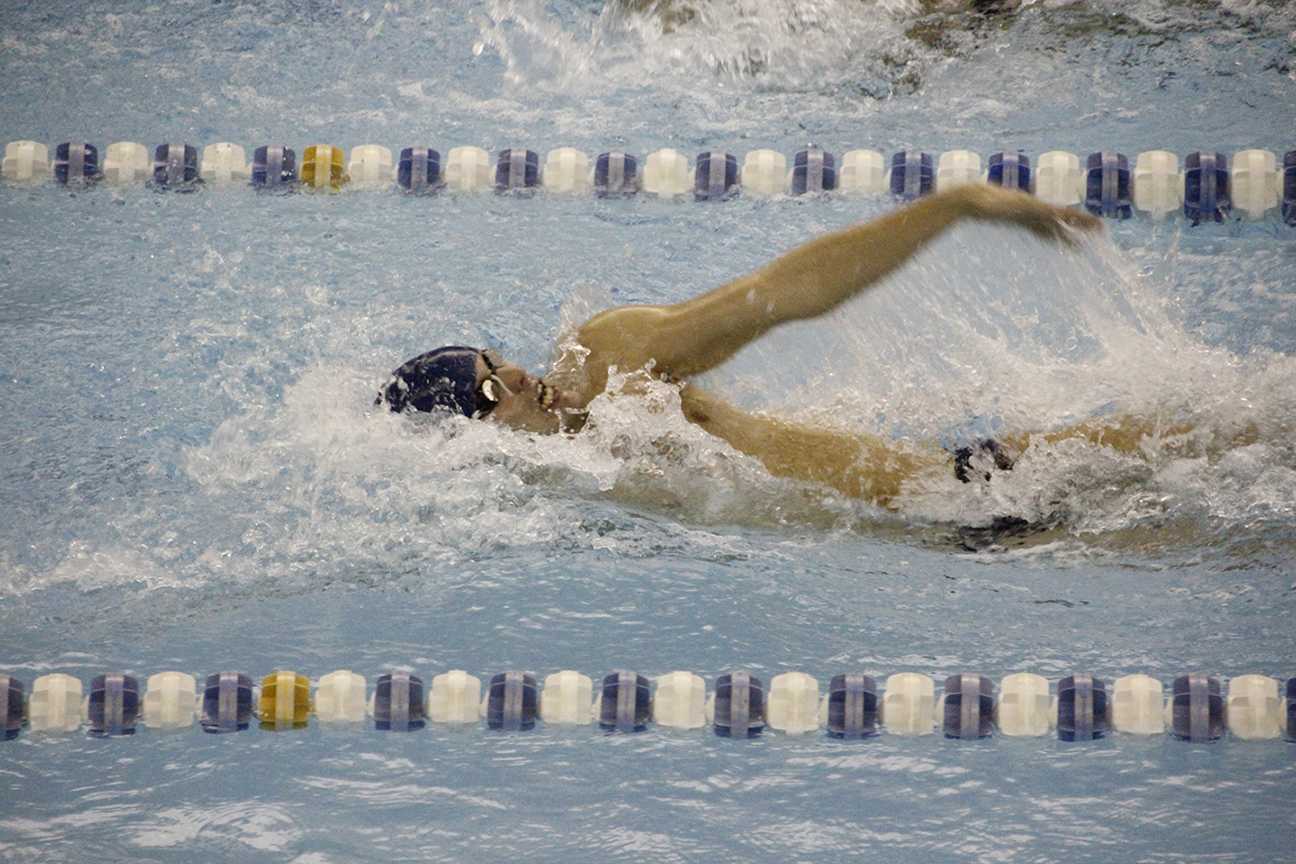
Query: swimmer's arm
pixel 1135 436
pixel 859 466
pixel 692 337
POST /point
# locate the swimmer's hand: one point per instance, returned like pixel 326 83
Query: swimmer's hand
pixel 995 204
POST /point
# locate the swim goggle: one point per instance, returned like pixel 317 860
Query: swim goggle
pixel 491 389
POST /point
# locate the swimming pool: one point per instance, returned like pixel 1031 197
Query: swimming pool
pixel 193 479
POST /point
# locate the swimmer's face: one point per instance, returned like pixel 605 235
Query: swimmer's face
pixel 522 401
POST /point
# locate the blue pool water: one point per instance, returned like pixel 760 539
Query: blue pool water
pixel 191 476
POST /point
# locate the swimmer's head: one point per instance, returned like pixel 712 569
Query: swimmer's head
pixel 475 383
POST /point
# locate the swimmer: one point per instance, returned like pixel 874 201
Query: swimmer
pixel 678 342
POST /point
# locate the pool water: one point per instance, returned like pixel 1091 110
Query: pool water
pixel 193 476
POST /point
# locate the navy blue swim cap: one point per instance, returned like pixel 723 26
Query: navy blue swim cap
pixel 440 380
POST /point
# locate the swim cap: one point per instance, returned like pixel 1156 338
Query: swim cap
pixel 444 379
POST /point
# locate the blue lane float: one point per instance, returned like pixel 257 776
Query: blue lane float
pixel 1206 188
pixel 512 702
pixel 12 707
pixel 399 702
pixel 274 167
pixel 419 170
pixel 517 170
pixel 1197 708
pixel 715 176
pixel 813 170
pixel 226 703
pixel 616 174
pixel 175 166
pixel 1289 188
pixel 1108 190
pixel 113 706
pixel 969 705
pixel 1010 170
pixel 76 162
pixel 739 705
pixel 1289 705
pixel 1083 712
pixel 913 174
pixel 625 702
pixel 852 706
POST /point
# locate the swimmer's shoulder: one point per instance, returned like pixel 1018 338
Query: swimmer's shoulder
pixel 628 337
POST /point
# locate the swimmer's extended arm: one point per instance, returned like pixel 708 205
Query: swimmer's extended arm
pixel 689 338
pixel 1137 435
pixel 857 465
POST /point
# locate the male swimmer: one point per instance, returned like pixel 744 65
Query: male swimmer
pixel 680 341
